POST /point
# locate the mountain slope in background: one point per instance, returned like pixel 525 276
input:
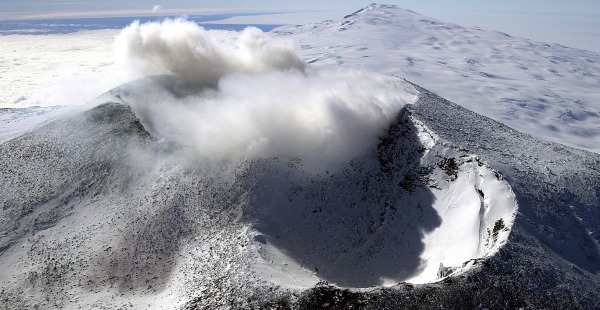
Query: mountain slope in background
pixel 448 208
pixel 548 91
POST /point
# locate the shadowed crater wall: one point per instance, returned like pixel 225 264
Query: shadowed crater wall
pixel 369 223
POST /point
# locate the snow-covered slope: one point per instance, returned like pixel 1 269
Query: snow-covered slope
pixel 14 122
pixel 548 91
pixel 97 213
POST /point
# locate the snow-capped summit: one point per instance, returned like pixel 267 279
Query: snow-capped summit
pixel 546 90
pixel 382 9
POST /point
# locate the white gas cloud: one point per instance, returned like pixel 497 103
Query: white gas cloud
pixel 156 8
pixel 249 94
pixel 196 56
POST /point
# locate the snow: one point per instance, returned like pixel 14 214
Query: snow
pixel 554 184
pixel 142 224
pixel 548 91
pixel 14 122
pixel 468 220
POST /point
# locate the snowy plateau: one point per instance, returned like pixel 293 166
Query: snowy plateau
pixel 393 161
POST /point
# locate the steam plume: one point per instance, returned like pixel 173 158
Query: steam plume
pixel 250 95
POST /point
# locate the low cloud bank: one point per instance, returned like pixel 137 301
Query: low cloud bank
pixel 249 94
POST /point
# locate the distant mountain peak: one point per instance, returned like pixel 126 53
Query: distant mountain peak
pixel 382 9
pixel 375 6
pixel 527 85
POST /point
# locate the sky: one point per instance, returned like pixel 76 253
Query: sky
pixel 574 23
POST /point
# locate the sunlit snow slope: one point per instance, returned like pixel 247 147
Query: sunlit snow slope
pixel 548 91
